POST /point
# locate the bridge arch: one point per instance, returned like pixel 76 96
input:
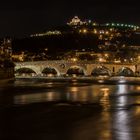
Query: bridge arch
pixel 50 71
pixel 76 70
pixel 101 71
pixel 125 71
pixel 25 71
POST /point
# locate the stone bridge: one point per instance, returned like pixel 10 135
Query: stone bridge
pixel 62 67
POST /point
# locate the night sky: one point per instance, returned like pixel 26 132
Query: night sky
pixel 24 17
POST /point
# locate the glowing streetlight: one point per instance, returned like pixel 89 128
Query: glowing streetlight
pixel 106 32
pixel 74 59
pixel 84 30
pixel 95 31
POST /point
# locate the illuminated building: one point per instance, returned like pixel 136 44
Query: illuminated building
pixel 5 49
pixel 75 21
pixel 6 65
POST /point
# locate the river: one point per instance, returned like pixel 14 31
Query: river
pixel 69 111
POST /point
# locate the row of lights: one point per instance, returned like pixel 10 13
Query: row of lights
pixel 47 33
pixel 77 21
pixel 122 25
pixel 94 31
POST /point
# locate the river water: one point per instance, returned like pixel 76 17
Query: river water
pixel 69 111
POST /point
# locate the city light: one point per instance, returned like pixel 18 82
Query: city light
pixel 107 32
pixel 94 24
pixel 102 60
pixel 84 30
pixel 74 59
pixel 70 77
pixel 48 33
pixel 95 31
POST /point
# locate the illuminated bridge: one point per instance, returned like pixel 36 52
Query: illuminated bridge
pixel 80 68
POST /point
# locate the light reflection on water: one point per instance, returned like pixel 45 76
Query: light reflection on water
pixel 121 123
pixel 118 119
pixel 36 98
pixel 82 94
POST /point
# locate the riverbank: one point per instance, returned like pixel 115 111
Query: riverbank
pixel 6 80
pixel 97 80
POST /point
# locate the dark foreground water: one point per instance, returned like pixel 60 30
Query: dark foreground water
pixel 69 111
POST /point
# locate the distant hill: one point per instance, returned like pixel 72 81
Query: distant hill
pixel 78 35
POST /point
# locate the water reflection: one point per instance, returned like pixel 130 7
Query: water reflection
pixel 74 93
pixel 106 92
pixel 121 98
pixel 138 88
pixel 35 98
pixel 121 102
pixel 121 123
pixel 122 89
pixel 83 94
pixel 117 119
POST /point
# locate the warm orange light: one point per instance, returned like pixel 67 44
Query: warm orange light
pixel 85 31
pixel 74 59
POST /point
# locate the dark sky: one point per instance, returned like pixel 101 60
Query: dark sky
pixel 21 17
